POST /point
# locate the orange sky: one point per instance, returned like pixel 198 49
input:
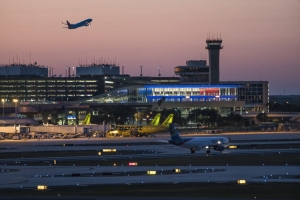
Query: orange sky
pixel 261 38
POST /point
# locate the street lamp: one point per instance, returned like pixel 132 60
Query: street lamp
pixel 16 101
pixel 3 100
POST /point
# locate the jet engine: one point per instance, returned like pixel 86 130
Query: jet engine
pixel 219 148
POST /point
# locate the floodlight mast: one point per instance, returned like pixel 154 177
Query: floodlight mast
pixel 15 101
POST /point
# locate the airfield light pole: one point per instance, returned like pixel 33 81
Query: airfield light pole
pixel 3 100
pixel 218 99
pixel 15 101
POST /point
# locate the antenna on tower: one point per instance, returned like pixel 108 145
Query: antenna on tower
pixel 141 70
pixel 159 71
pixel 122 70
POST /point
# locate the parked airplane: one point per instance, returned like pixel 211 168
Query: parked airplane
pixel 148 129
pixel 155 120
pixel 87 119
pixel 126 130
pixel 86 22
pixel 197 143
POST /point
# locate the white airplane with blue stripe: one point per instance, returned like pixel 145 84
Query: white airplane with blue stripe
pixel 197 143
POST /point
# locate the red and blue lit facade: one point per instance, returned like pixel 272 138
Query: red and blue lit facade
pixel 193 92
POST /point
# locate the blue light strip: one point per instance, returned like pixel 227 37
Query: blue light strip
pixel 151 98
pixel 193 86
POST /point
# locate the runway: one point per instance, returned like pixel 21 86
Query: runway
pixel 30 171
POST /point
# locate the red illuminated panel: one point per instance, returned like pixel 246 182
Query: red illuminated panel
pixel 211 92
pixel 202 92
pixel 132 164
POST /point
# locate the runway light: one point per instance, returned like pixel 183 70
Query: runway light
pixel 151 172
pixel 109 150
pixel 115 164
pixel 132 164
pixel 42 187
pixel 233 147
pixel 176 170
pixel 99 153
pixel 241 181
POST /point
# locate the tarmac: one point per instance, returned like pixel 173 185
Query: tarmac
pixel 20 175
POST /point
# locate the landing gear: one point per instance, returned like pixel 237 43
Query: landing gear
pixel 208 151
pixel 192 151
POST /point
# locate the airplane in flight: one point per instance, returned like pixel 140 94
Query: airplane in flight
pixel 197 143
pixel 86 22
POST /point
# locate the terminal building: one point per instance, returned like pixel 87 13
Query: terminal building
pixel 23 70
pixel 98 69
pixel 197 85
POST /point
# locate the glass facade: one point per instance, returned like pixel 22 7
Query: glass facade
pixel 50 88
pixel 251 93
pixel 181 93
pixel 170 93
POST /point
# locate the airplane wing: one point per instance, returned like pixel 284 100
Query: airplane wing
pixel 163 141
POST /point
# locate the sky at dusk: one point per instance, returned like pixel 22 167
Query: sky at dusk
pixel 261 38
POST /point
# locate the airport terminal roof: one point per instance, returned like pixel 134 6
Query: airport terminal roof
pixel 136 93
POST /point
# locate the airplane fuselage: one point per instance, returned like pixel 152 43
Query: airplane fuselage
pixel 152 129
pixel 149 129
pixel 198 143
pixel 80 24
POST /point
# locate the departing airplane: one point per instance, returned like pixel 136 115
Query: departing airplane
pixel 86 22
pixel 148 129
pixel 197 143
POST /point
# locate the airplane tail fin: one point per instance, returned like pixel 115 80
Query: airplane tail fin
pixel 174 134
pixel 87 119
pixel 155 120
pixel 68 23
pixel 168 120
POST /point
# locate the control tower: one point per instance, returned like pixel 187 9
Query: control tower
pixel 214 46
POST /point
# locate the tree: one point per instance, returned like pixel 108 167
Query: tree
pixel 262 117
pixel 204 116
pixel 234 117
